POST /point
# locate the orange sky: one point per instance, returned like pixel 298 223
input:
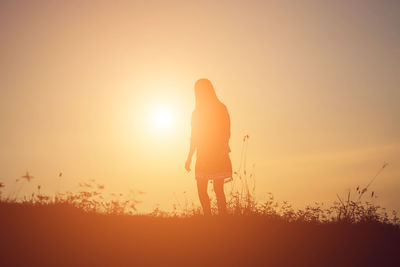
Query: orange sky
pixel 315 84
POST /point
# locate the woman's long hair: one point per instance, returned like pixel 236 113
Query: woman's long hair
pixel 205 95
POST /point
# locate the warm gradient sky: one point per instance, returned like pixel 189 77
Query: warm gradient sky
pixel 316 85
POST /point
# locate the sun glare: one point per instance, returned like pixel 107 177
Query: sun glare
pixel 161 118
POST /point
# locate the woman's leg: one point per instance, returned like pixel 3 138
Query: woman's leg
pixel 203 196
pixel 219 192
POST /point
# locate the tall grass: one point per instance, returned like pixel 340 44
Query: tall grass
pixel 242 201
pixel 89 198
pixel 357 207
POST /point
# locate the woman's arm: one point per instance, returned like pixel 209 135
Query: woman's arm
pixel 192 146
pixel 190 155
pixel 226 131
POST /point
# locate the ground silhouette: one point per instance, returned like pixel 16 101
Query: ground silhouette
pixel 59 234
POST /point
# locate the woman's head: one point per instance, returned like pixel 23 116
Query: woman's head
pixel 205 94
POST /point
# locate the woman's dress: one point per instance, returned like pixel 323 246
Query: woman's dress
pixel 210 135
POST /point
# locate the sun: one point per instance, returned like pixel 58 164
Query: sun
pixel 161 118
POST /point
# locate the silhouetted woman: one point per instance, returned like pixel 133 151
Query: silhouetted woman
pixel 210 137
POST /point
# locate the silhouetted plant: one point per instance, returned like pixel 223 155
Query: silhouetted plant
pixel 241 201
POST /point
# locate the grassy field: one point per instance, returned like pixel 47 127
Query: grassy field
pixel 59 234
pixel 83 228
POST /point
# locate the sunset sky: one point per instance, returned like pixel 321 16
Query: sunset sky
pixel 105 89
